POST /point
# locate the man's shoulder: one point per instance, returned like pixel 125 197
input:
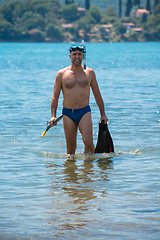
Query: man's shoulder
pixel 89 70
pixel 63 70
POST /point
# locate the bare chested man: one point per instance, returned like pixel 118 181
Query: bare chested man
pixel 75 82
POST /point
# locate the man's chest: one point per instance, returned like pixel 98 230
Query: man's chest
pixel 76 81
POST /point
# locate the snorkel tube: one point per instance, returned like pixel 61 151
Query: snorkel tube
pixel 84 53
pixel 49 125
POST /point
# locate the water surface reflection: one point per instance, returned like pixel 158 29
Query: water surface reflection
pixel 78 182
pixel 76 187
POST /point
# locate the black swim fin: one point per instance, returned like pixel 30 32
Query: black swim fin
pixel 104 143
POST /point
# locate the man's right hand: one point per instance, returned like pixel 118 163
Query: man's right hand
pixel 52 120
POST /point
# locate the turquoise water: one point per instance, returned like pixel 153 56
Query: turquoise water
pixel 106 196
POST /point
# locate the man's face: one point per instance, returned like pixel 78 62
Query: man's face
pixel 76 57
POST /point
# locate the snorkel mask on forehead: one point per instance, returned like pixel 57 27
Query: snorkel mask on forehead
pixel 79 47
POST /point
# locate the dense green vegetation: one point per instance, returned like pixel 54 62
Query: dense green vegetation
pixel 46 20
pixel 102 4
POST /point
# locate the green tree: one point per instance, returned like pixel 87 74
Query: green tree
pixel 110 16
pixel 37 36
pixel 53 12
pixel 156 2
pixel 95 13
pixel 70 12
pixel 153 21
pixel 54 32
pixel 1 16
pixel 120 29
pixel 144 18
pixel 158 32
pixel 8 10
pixel 128 8
pixel 136 3
pixel 86 22
pixel 69 1
pixel 133 37
pixel 7 31
pixel 75 32
pixel 148 5
pixel 148 36
pixel 33 20
pixel 41 7
pixel 110 12
pixel 120 8
pixel 87 4
pixel 156 10
pixel 103 32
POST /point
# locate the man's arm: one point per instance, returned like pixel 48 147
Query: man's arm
pixel 98 97
pixel 56 92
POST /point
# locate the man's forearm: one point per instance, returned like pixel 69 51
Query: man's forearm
pixel 54 104
pixel 100 104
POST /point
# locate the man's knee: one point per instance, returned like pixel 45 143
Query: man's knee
pixel 88 142
pixel 89 147
pixel 71 148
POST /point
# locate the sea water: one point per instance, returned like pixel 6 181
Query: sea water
pixel 105 196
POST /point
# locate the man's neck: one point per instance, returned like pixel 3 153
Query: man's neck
pixel 76 68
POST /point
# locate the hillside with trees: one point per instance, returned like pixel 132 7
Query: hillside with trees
pixel 52 21
pixel 102 4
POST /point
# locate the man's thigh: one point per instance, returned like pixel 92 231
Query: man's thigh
pixel 70 129
pixel 85 127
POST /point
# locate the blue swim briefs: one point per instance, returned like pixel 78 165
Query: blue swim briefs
pixel 76 114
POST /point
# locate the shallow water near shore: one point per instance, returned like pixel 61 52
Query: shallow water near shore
pixel 103 196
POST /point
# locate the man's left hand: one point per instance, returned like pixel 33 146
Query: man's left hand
pixel 104 118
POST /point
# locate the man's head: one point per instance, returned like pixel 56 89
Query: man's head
pixel 76 53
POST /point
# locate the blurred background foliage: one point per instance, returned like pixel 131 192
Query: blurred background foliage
pixel 69 20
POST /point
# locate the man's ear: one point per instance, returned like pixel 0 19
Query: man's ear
pixel 70 56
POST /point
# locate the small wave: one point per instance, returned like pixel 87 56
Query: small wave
pixel 87 157
pixel 79 156
pixel 136 152
pixel 147 210
pixel 51 154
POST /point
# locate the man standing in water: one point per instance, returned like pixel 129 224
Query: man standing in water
pixel 75 82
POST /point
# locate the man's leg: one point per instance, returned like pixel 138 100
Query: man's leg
pixel 85 127
pixel 70 129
